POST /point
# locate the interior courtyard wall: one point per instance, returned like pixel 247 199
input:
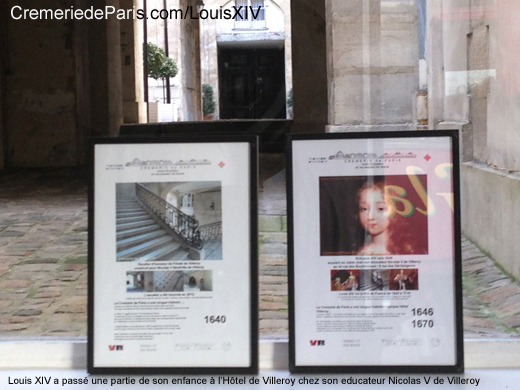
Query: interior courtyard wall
pixel 503 133
pixel 41 104
pixel 373 62
pixel 475 87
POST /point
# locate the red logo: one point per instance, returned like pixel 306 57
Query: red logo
pixel 319 343
pixel 115 347
pixel 427 157
pixel 221 165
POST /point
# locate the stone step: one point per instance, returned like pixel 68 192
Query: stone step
pixel 134 225
pixel 126 210
pixel 132 214
pixel 137 218
pixel 164 253
pixel 147 247
pixel 137 231
pixel 136 240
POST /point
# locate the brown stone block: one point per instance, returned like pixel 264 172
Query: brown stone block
pixel 478 322
pixel 273 279
pixel 76 304
pixel 512 322
pixel 500 293
pixel 12 296
pixel 12 327
pixel 15 283
pixel 48 294
pixel 5 303
pixel 27 312
pixel 69 328
pixel 64 318
pixel 272 306
pixel 37 267
pixel 509 310
pixel 21 320
pixel 75 267
pixel 271 298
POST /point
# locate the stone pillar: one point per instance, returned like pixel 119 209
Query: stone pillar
pixel 373 57
pixel 309 58
pixel 191 86
pixel 81 55
pixel 209 54
pixel 106 96
pixel 434 57
pixel 132 70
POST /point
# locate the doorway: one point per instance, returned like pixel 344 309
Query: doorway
pixel 252 83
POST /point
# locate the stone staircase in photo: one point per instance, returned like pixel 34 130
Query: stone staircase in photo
pixel 366 283
pixel 212 250
pixel 140 237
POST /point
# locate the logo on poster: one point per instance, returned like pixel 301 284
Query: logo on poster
pixel 319 343
pixel 115 347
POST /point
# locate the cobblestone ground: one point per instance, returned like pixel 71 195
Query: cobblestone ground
pixel 43 253
pixel 43 257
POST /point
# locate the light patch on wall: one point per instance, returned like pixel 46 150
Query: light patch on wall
pixel 456 83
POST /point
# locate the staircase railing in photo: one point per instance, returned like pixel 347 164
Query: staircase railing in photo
pixel 183 225
pixel 211 231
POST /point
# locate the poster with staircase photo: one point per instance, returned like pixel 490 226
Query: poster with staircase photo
pixel 173 256
pixel 169 221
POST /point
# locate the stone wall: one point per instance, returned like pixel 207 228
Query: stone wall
pixel 474 86
pixel 41 110
pixel 61 83
pixel 491 212
pixel 373 62
pixel 503 133
pixel 208 207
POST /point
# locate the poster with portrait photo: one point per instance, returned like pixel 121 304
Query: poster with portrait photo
pixel 173 256
pixel 374 235
pixel 368 215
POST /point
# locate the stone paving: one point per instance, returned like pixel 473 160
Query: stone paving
pixel 43 257
pixel 43 253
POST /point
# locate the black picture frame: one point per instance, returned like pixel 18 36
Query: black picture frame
pixel 250 214
pixel 295 263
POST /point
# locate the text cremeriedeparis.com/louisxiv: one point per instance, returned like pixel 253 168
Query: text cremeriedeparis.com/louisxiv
pixel 189 12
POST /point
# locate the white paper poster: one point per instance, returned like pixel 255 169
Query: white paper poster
pixel 172 255
pixel 374 252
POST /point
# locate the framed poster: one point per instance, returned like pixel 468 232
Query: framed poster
pixel 375 278
pixel 173 256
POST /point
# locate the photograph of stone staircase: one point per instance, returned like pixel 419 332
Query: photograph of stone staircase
pixel 141 238
pixel 145 232
pixel 370 282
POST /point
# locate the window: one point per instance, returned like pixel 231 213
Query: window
pixel 187 201
pixel 251 15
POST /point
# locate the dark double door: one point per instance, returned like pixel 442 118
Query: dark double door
pixel 252 83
